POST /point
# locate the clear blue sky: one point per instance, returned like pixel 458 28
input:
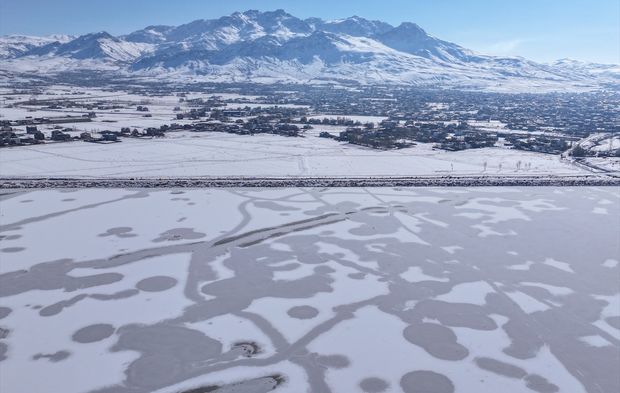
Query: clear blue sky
pixel 543 30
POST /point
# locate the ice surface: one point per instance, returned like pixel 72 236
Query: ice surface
pixel 309 290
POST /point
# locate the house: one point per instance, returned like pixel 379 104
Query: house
pixel 8 138
pixel 60 136
pixel 234 113
pixel 151 131
pixel 109 136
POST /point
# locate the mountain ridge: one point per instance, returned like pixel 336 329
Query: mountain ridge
pixel 254 45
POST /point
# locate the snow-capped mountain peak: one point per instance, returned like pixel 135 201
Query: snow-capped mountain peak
pixel 411 38
pixel 98 46
pixel 354 26
pixel 277 46
pixel 16 45
pixel 149 35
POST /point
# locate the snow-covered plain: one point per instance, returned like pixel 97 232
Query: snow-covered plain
pixel 308 290
pixel 186 153
pixel 218 154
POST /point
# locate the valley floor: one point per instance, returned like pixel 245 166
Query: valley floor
pixel 187 153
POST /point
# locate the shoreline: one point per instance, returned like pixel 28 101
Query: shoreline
pixel 284 182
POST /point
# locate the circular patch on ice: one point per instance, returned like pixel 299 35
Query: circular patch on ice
pixel 156 284
pixel 373 385
pixel 437 340
pixel 121 232
pixel 178 234
pixel 13 249
pixel 334 361
pixel 424 381
pixel 303 312
pixel 93 333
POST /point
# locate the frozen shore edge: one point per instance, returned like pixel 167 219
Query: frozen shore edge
pixel 283 182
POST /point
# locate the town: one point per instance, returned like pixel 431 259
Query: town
pixel 451 120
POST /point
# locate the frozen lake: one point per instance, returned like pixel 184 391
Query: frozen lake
pixel 310 290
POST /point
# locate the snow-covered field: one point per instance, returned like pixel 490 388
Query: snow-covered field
pixel 306 290
pixel 601 142
pixel 217 154
pixel 609 163
pixel 161 108
pixel 184 153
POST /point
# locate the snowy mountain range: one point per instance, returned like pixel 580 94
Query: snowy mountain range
pixel 267 47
